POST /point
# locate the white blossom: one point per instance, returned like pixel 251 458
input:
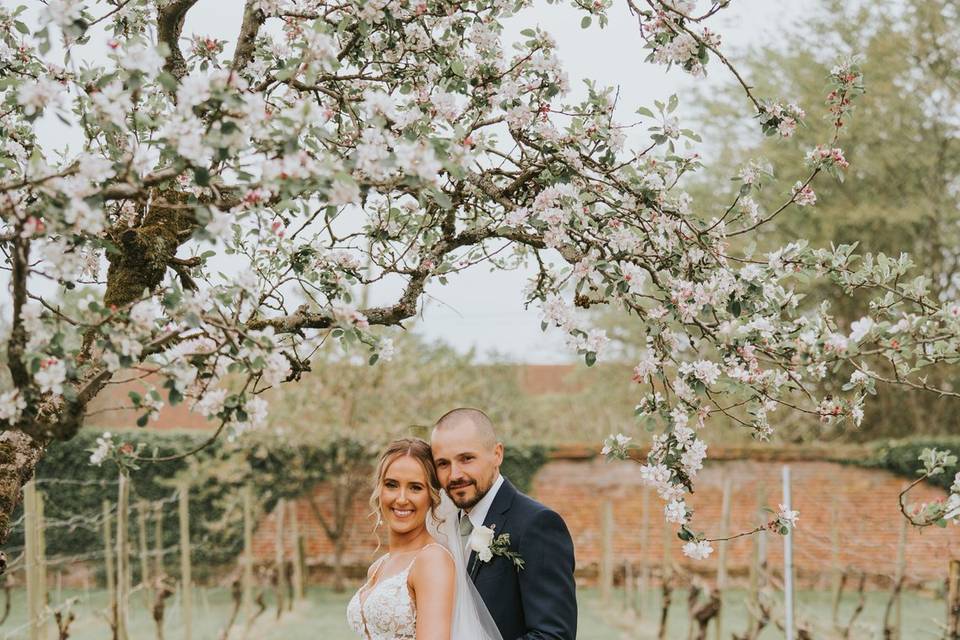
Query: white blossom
pixel 102 450
pixel 860 328
pixel 787 517
pixel 697 550
pixel 12 405
pixel 51 376
pixel 676 512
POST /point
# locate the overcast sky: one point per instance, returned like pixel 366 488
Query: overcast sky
pixel 483 310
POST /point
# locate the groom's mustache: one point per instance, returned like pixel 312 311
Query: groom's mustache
pixel 459 484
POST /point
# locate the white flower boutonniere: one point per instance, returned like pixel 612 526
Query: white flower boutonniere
pixel 486 545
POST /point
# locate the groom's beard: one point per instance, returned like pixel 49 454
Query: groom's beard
pixel 469 501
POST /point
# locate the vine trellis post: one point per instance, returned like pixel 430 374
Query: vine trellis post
pixel 186 578
pixel 247 576
pixel 36 570
pixel 108 563
pixel 123 559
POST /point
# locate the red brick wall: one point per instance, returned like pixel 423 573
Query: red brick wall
pixel 859 505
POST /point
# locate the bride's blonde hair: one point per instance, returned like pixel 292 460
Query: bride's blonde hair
pixel 414 448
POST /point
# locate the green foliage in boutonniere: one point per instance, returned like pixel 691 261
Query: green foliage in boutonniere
pixel 501 547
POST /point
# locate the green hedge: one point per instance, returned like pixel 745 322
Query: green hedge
pixel 900 457
pixel 521 464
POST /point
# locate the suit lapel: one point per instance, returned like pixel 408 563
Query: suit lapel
pixel 496 520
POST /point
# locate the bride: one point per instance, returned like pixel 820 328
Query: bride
pixel 418 590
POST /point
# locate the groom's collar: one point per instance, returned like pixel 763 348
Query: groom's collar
pixel 478 514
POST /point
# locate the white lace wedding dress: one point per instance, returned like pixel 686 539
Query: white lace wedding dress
pixel 385 610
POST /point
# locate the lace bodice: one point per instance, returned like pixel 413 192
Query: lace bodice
pixel 384 611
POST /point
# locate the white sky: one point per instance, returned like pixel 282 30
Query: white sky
pixel 481 309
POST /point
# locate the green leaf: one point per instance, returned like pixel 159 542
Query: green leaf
pixel 585 22
pixel 142 420
pixel 528 33
pixel 643 111
pixel 590 358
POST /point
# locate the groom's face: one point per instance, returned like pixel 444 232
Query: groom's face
pixel 467 464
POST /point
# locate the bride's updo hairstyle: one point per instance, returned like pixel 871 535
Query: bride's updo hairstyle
pixel 417 449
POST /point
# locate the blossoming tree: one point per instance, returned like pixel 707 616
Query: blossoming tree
pixel 238 203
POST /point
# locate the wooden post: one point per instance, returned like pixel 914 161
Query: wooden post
pixel 629 597
pixel 158 570
pixel 606 552
pixel 953 601
pixel 297 553
pixel 186 579
pixel 145 584
pixel 278 554
pixel 123 557
pixel 901 573
pixel 644 584
pixel 758 565
pixel 32 552
pixel 835 559
pixel 788 601
pixel 43 593
pixel 722 549
pixel 247 551
pixel 108 563
pixel 666 562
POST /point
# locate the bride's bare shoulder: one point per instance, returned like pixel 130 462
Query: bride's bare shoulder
pixel 433 560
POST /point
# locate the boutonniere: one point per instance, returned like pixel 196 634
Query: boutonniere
pixel 486 545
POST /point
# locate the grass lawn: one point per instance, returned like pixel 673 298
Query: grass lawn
pixel 322 617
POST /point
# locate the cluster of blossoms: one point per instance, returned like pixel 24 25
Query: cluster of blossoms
pixel 828 159
pixel 935 462
pixel 823 156
pixel 780 119
pixel 803 195
pixel 107 448
pixel 672 43
pixel 847 80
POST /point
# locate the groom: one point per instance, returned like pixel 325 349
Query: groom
pixel 533 603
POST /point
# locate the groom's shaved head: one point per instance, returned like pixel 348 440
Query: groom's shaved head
pixel 465 418
pixel 466 454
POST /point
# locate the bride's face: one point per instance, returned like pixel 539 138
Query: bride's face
pixel 404 495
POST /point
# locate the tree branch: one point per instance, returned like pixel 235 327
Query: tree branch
pixel 253 18
pixel 18 335
pixel 169 27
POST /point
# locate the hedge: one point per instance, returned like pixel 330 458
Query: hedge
pixel 900 457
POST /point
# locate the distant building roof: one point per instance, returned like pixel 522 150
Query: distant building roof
pixel 534 379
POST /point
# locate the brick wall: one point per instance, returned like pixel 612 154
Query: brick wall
pixel 858 506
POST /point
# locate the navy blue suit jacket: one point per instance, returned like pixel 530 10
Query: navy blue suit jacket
pixel 539 601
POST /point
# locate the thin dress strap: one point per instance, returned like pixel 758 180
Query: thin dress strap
pixel 365 591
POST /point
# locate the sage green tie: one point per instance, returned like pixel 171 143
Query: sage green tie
pixel 466 526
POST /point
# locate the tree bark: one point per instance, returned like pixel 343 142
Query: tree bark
pixel 339 585
pixel 19 455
